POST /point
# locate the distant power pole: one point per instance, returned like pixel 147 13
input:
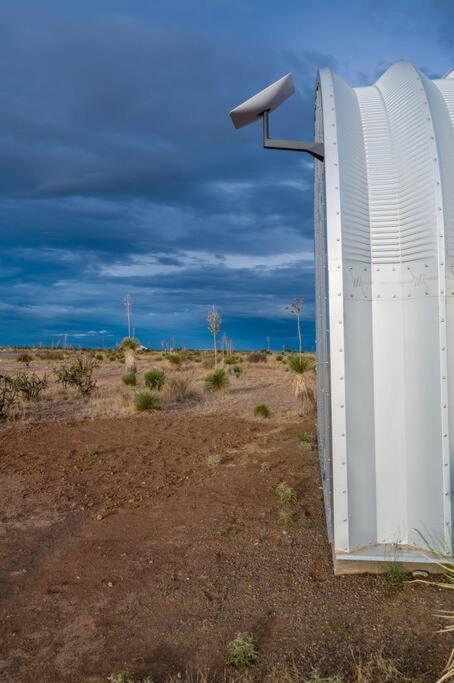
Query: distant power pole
pixel 128 305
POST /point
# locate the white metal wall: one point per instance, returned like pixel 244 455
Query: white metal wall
pixel 384 212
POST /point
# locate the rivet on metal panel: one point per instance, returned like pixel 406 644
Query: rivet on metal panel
pixel 442 320
pixel 394 296
pixel 345 520
pixel 427 293
pixel 344 491
pixel 340 350
pixel 343 463
pixel 426 265
pixel 442 293
pixel 378 296
pixel 341 378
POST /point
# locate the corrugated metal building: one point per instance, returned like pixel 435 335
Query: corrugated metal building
pixel 384 218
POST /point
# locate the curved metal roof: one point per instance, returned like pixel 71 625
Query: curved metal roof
pixel 385 230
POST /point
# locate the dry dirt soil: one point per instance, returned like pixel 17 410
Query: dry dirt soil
pixel 123 548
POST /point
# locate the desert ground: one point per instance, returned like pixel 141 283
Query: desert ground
pixel 144 542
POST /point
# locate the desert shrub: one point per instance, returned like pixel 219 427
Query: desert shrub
pixel 286 493
pixel 230 360
pixel 301 364
pixel 30 386
pixel 279 356
pixel 180 390
pixel 241 651
pixel 129 343
pixel 8 396
pixel 154 378
pixel 217 380
pixel 174 359
pixel 78 373
pixel 257 357
pixel 92 449
pixel 146 400
pixel 262 410
pixel 99 356
pixel 235 370
pixel 208 363
pixel 24 358
pixel 51 354
pixel 130 379
pixel 285 518
pixel 214 459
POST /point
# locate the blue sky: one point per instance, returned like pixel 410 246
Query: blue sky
pixel 120 171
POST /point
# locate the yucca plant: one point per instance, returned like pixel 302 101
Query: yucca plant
pixel 262 410
pixel 174 359
pixel 217 380
pixel 154 378
pixel 129 378
pixel 301 365
pixel 146 400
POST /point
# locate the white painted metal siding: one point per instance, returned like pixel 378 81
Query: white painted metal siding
pixel 384 211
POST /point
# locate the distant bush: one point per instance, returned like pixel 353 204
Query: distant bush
pixel 99 356
pixel 30 386
pixel 146 400
pixel 230 360
pixel 180 390
pixel 8 396
pixel 51 354
pixel 130 379
pixel 279 356
pixel 174 359
pixel 236 370
pixel 257 357
pixel 24 358
pixel 208 363
pixel 78 373
pixel 217 380
pixel 300 364
pixel 154 378
pixel 129 343
pixel 262 410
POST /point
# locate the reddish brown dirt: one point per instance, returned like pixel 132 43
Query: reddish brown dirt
pixel 143 557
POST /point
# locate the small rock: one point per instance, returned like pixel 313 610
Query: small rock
pixel 110 584
pixel 420 574
pixel 99 516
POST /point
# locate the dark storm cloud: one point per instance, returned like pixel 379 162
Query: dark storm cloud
pixel 120 170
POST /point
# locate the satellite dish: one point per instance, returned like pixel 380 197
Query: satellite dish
pixel 266 100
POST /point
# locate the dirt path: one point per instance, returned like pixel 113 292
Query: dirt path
pixel 142 556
